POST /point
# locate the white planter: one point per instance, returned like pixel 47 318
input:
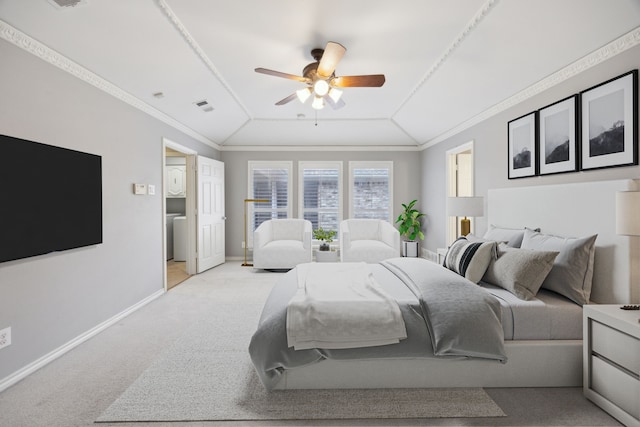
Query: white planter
pixel 410 248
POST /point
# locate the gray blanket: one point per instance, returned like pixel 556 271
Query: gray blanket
pixel 445 315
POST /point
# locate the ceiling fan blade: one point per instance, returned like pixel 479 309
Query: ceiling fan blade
pixel 372 80
pixel 283 75
pixel 333 53
pixel 333 104
pixel 287 99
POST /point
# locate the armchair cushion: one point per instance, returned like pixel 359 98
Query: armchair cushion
pixel 282 243
pixel 368 240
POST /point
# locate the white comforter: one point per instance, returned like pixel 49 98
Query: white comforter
pixel 341 306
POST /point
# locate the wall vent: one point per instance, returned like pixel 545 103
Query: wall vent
pixel 204 106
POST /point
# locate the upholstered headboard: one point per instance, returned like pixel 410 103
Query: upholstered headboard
pixel 575 210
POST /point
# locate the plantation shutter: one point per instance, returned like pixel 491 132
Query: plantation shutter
pixel 371 193
pixel 321 197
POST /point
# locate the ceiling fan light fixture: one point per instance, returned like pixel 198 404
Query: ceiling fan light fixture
pixel 303 94
pixel 321 87
pixel 335 94
pixel 318 103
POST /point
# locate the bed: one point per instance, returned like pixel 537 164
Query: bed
pixel 542 344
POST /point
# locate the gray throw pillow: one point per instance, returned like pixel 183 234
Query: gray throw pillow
pixel 470 259
pixel 572 271
pixel 511 236
pixel 520 271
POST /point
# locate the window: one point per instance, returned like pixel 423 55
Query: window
pixel 371 188
pixel 320 193
pixel 268 181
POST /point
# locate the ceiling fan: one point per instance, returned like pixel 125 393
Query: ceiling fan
pixel 321 80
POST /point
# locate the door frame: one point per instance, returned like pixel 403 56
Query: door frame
pixel 190 206
pixel 451 223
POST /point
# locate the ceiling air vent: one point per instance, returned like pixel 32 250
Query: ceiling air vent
pixel 204 106
pixel 66 3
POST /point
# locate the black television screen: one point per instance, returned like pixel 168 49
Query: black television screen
pixel 51 199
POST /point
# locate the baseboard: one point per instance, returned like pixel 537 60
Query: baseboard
pixel 234 258
pixel 22 373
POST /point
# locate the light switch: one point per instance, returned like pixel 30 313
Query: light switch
pixel 139 188
pixel 151 189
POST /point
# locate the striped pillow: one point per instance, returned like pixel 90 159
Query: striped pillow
pixel 470 259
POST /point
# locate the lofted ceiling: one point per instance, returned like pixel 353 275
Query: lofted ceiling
pixel 445 62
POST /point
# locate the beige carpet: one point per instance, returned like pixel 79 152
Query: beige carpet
pixel 207 375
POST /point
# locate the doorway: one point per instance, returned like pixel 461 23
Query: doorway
pixel 176 198
pixel 193 202
pixel 460 183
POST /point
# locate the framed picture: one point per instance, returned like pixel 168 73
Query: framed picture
pixel 558 135
pixel 522 149
pixel 610 123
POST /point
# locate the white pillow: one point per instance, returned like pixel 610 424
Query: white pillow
pixel 512 236
pixel 470 259
pixel 520 271
pixel 572 271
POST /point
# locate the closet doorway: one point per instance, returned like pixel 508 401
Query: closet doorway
pixel 460 183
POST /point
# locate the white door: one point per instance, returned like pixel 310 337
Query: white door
pixel 210 216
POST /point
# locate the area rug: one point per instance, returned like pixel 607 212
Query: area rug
pixel 207 375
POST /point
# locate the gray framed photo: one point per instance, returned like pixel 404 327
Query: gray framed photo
pixel 558 136
pixel 610 123
pixel 522 146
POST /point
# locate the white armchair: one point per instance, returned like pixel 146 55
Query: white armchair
pixel 282 243
pixel 368 240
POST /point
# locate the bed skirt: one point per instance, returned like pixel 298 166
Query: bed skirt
pixel 555 363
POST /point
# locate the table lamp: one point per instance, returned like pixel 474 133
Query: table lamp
pixel 465 207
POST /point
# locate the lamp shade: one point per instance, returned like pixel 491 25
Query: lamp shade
pixel 628 213
pixel 465 206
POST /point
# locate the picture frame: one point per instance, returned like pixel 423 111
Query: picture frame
pixel 558 130
pixel 609 129
pixel 522 146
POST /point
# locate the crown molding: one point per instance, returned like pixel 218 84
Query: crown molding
pixel 23 41
pixel 619 45
pixel 471 25
pixel 332 148
pixel 175 21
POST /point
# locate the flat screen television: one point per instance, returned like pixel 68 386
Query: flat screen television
pixel 50 199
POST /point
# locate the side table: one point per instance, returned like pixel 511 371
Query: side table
pixel 611 361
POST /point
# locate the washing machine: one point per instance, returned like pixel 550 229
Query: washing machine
pixel 180 238
pixel 170 217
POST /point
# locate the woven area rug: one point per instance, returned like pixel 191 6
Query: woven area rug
pixel 207 375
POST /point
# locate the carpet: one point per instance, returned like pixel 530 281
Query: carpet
pixel 207 375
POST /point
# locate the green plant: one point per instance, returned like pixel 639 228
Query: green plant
pixel 324 235
pixel 409 221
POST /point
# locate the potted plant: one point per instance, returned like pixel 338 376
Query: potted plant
pixel 325 236
pixel 409 228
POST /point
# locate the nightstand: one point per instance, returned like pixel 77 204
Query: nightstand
pixel 611 357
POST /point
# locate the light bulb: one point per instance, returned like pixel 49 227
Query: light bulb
pixel 303 94
pixel 321 87
pixel 335 94
pixel 318 103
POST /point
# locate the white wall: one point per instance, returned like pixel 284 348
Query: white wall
pixel 52 299
pixel 406 182
pixel 490 149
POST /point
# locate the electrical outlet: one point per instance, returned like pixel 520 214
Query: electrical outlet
pixel 5 337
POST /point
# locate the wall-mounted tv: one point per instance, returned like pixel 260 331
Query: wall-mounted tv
pixel 50 199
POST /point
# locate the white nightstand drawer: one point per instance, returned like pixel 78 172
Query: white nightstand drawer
pixel 616 386
pixel 616 346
